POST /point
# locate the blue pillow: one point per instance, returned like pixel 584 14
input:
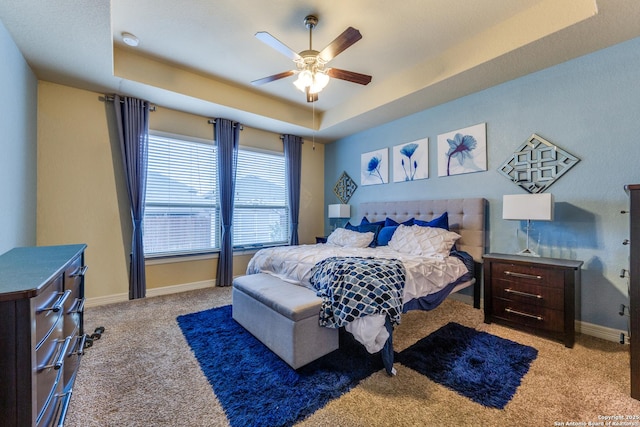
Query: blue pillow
pixel 385 235
pixel 366 221
pixel 374 228
pixel 441 222
pixel 351 227
pixel 389 222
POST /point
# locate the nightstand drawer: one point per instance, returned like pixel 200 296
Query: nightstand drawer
pixel 529 315
pixel 529 274
pixel 526 293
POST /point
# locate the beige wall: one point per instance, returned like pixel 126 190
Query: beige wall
pixel 82 196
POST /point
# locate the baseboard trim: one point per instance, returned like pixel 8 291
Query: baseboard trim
pixel 153 292
pixel 602 332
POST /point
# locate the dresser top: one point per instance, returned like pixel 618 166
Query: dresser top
pixel 23 271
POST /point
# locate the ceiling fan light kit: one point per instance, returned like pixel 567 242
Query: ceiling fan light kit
pixel 310 64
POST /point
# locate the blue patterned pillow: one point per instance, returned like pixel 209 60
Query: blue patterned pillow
pixel 441 222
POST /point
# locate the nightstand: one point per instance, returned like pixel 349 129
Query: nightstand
pixel 533 294
pixel 321 239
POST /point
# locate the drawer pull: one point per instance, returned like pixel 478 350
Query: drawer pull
pixel 65 406
pixel 80 271
pixel 58 304
pixel 524 294
pixel 524 276
pixel 60 359
pixel 519 313
pixel 83 342
pixel 78 306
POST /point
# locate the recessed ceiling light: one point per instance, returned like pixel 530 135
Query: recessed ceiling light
pixel 130 39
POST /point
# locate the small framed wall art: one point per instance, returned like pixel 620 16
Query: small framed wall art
pixel 374 167
pixel 463 151
pixel 411 161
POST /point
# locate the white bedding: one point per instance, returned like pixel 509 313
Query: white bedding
pixel 425 275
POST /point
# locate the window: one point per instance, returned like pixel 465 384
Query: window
pixel 261 211
pixel 182 215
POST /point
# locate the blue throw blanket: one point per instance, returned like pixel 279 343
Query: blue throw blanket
pixel 354 287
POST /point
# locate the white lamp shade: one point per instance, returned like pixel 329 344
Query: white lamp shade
pixel 537 207
pixel 339 211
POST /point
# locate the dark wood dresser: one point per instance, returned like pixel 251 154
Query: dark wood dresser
pixel 533 294
pixel 633 190
pixel 41 333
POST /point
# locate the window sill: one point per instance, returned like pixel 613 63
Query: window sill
pixel 172 259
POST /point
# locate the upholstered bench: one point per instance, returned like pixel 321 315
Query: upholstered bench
pixel 283 316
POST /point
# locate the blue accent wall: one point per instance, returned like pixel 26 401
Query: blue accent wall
pixel 590 107
pixel 18 143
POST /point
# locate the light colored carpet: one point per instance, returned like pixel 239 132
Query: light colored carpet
pixel 142 373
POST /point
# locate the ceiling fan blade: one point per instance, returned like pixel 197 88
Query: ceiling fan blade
pixel 273 77
pixel 268 39
pixel 350 76
pixel 342 42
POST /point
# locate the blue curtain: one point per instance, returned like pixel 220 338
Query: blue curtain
pixel 132 119
pixel 226 134
pixel 293 162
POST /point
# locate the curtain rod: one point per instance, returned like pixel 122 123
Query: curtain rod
pixel 111 98
pixel 213 122
pixel 301 139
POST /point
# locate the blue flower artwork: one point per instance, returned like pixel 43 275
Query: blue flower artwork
pixel 374 167
pixel 411 161
pixel 463 151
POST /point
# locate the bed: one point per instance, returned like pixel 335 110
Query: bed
pixel 426 280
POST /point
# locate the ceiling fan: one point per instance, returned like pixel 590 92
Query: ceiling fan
pixel 310 64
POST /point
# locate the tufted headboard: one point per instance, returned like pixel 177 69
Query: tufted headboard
pixel 466 217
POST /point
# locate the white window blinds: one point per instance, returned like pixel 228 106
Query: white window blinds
pixel 182 214
pixel 261 213
pixel 181 209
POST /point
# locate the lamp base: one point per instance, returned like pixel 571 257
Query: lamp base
pixel 528 252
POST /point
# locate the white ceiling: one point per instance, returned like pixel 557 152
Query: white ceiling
pixel 200 56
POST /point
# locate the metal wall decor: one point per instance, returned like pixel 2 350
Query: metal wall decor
pixel 537 164
pixel 344 188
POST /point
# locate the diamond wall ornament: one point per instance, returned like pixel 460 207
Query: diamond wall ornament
pixel 344 188
pixel 537 164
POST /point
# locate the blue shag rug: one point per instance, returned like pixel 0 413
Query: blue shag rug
pixel 255 387
pixel 483 367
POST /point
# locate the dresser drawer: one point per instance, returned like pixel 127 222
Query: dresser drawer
pixel 528 315
pixel 72 358
pixel 49 309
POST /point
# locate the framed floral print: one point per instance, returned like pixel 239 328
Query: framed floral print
pixel 463 151
pixel 374 167
pixel 411 161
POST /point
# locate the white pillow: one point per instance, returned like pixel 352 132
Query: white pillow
pixel 404 241
pixel 424 241
pixel 349 238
